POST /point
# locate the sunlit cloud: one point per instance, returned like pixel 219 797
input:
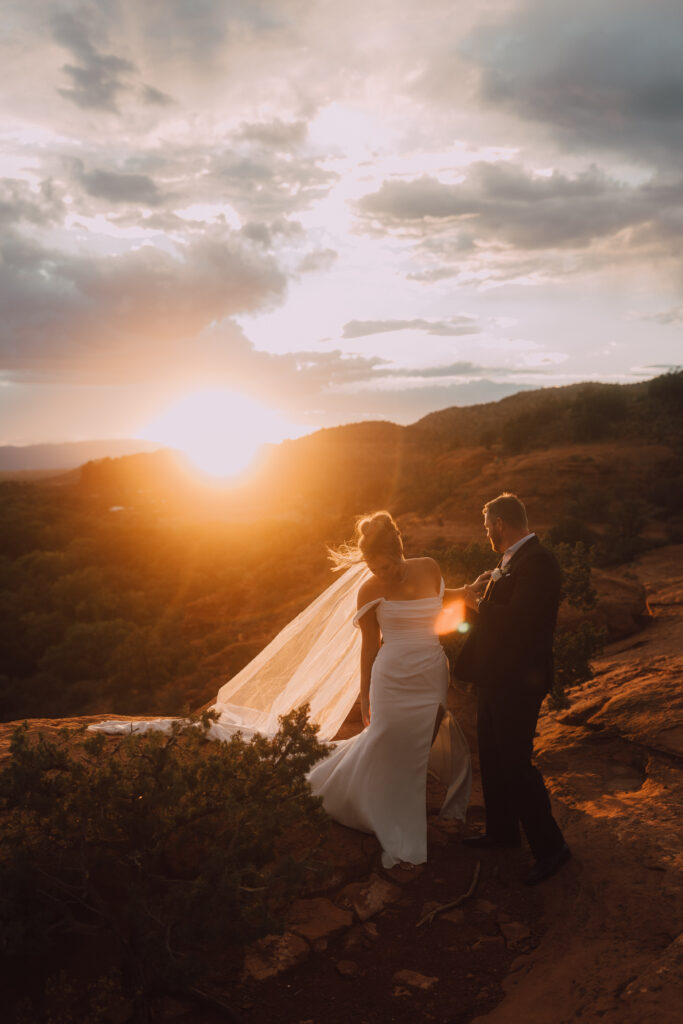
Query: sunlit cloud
pixel 337 210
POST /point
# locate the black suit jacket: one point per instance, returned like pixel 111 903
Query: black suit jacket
pixel 511 642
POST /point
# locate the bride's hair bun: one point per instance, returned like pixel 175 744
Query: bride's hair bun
pixel 379 534
pixel 376 534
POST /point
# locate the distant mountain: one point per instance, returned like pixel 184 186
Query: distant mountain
pixel 68 455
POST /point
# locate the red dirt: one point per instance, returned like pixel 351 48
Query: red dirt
pixel 600 942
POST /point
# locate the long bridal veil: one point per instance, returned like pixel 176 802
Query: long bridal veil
pixel 314 659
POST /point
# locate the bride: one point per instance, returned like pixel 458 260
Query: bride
pixel 376 782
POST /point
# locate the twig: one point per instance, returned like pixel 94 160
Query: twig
pixel 455 903
pixel 216 1002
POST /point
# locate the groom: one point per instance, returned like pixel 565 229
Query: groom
pixel 509 656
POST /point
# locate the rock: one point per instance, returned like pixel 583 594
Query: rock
pixel 515 933
pixel 356 937
pixel 456 916
pixel 488 942
pixel 621 607
pixel 347 968
pixel 428 907
pixel 317 918
pixel 274 954
pixel 368 898
pixel 485 906
pixel 414 980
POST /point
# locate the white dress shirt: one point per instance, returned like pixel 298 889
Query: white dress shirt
pixel 509 552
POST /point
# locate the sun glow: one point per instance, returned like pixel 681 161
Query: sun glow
pixel 219 430
pixel 452 618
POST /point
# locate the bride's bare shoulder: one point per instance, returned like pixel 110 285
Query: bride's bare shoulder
pixel 427 566
pixel 368 591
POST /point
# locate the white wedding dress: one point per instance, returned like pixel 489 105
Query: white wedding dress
pixel 377 781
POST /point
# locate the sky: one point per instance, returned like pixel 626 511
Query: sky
pixel 254 218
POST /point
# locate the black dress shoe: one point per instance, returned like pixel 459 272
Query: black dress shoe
pixel 548 866
pixel 490 843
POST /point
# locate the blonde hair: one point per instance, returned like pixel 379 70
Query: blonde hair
pixel 376 533
pixel 509 508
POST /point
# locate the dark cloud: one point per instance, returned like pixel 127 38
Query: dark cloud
pixel 279 135
pixel 266 185
pixel 20 203
pixel 606 75
pixel 266 234
pixel 155 97
pixel 668 316
pixel 455 326
pixel 119 187
pixel 504 202
pixel 460 369
pixel 317 261
pixel 65 313
pixel 98 78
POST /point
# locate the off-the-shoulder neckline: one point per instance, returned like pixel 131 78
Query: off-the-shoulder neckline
pixel 406 600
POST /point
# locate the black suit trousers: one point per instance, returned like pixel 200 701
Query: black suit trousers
pixel 514 791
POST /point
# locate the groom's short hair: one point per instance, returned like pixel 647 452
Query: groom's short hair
pixel 509 508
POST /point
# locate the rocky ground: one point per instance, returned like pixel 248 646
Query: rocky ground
pixel 602 941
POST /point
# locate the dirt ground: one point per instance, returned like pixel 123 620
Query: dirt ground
pixel 602 941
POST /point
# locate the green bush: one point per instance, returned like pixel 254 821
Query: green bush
pixel 164 846
pixel 573 651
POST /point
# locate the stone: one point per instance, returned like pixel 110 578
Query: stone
pixel 317 918
pixel 414 980
pixel 347 968
pixel 485 906
pixel 368 898
pixel 456 916
pixel 428 907
pixel 274 954
pixel 515 933
pixel 488 942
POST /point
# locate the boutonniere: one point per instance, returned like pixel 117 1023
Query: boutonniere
pixel 498 574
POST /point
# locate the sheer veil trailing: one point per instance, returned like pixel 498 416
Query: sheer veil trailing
pixel 314 659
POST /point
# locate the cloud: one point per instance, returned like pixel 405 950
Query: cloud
pixel 155 97
pixel 75 314
pixel 504 202
pixel 504 222
pixel 98 78
pixel 317 261
pixel 19 202
pixel 454 327
pixel 118 187
pixel 275 134
pixel 667 316
pixel 603 75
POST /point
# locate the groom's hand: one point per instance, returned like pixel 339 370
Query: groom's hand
pixel 480 583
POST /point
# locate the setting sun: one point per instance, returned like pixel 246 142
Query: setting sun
pixel 219 430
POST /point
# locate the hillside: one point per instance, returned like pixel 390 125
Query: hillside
pixel 601 942
pixel 134 587
pixel 67 455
